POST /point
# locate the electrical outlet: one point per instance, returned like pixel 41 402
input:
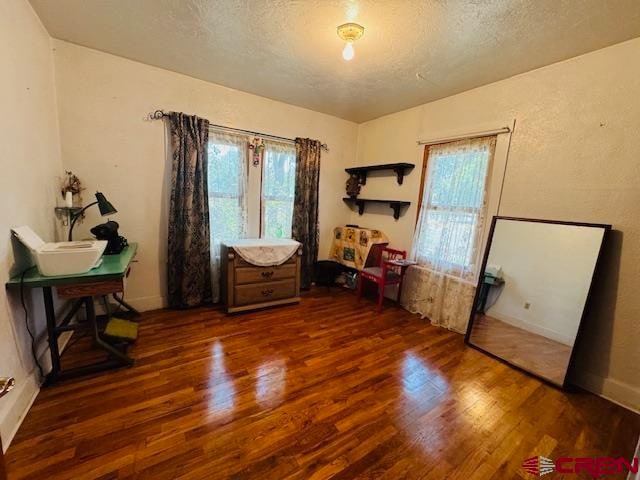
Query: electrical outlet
pixel 526 305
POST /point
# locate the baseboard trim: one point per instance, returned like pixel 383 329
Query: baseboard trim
pixel 28 391
pixel 143 304
pixel 615 391
pixel 532 327
pixel 23 397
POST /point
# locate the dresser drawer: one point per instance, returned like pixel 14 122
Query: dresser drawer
pixel 264 292
pixel 264 274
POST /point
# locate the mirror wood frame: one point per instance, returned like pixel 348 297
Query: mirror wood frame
pixel 467 340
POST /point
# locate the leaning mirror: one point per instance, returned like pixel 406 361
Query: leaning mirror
pixel 532 292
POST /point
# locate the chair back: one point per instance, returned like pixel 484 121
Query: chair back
pixel 389 254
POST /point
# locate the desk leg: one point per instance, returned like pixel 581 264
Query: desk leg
pixel 125 304
pixel 52 334
pixel 107 309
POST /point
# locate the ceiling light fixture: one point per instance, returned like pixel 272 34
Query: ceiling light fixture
pixel 349 32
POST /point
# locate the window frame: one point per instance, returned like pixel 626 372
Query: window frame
pixel 252 195
pixel 264 198
pixel 477 213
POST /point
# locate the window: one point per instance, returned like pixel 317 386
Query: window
pixel 247 199
pixel 227 179
pixel 451 218
pixel 278 189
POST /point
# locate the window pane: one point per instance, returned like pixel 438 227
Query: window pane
pixel 448 237
pixel 277 218
pixel 226 219
pixel 224 169
pixel 458 179
pixel 226 188
pixel 278 190
pixel 279 173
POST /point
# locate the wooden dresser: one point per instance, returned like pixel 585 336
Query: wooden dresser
pixel 245 286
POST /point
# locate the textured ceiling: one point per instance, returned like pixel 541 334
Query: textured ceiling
pixel 288 50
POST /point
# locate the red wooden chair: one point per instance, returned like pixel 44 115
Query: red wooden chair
pixel 386 274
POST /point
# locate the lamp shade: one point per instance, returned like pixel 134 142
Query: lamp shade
pixel 104 205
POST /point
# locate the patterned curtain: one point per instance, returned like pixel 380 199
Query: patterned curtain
pixel 305 206
pixel 188 272
pixel 444 300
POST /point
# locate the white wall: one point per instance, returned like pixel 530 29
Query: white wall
pixel 548 266
pixel 30 165
pixel 574 156
pixel 106 142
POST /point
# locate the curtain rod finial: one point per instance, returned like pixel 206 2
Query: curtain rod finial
pixel 155 115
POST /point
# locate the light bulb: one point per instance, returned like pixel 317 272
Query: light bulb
pixel 348 52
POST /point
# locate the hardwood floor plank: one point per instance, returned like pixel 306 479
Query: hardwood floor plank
pixel 324 389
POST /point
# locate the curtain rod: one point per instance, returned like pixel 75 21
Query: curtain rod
pixel 484 133
pixel 158 114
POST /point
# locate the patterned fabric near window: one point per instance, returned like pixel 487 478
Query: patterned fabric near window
pixel 444 300
pixel 351 246
pixel 452 214
pixel 448 237
pixel 305 206
pixel 188 273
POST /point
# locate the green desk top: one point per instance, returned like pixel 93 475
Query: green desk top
pixel 113 266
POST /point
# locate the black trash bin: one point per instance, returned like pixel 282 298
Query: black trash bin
pixel 326 272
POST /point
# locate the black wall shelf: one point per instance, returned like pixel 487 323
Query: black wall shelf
pixel 396 205
pixel 400 170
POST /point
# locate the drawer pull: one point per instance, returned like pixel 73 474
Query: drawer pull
pixel 268 292
pixel 267 274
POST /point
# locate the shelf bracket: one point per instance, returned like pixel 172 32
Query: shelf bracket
pixel 399 174
pixel 360 205
pixel 362 178
pixel 396 210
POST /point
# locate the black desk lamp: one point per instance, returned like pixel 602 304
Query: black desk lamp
pixel 103 204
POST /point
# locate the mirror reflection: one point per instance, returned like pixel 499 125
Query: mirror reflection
pixel 532 293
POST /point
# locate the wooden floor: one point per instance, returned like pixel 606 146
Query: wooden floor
pixel 533 352
pixel 327 389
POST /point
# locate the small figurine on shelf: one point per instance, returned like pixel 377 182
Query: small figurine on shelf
pixel 353 186
pixel 71 186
